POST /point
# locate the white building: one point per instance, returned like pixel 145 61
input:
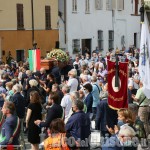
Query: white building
pixel 106 24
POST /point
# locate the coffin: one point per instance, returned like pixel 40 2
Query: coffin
pixel 47 64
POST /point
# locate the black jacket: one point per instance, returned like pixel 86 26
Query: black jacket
pixel 54 112
pixel 19 102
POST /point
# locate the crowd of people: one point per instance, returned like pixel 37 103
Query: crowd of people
pixel 62 103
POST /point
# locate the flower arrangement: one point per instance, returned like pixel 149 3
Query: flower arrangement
pixel 59 55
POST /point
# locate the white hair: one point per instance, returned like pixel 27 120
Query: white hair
pixel 33 82
pixel 127 131
pixel 17 87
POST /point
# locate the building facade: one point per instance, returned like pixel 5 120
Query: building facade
pixel 19 30
pixel 106 24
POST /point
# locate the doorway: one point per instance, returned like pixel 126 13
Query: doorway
pixel 20 55
pixel 86 43
pixel 135 39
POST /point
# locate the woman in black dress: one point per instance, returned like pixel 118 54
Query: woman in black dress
pixel 34 113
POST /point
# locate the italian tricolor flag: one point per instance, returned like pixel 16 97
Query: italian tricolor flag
pixel 34 59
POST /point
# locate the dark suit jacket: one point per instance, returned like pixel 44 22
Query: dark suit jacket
pixel 19 102
pixel 54 112
pixel 105 116
pixel 88 102
pixel 78 126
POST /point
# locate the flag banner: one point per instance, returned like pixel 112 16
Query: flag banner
pixel 30 60
pixel 38 59
pixel 34 60
pixel 144 59
pixel 117 96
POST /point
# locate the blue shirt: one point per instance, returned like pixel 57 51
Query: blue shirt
pixel 95 94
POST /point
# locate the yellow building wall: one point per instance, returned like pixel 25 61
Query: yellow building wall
pixel 12 39
pixel 8 14
pixel 22 40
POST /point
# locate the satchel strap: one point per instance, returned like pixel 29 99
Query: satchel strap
pixel 142 101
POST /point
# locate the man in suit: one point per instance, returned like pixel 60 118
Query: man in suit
pixel 19 101
pixel 9 126
pixel 78 126
pixel 105 115
pixel 55 111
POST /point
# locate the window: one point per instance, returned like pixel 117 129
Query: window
pixel 113 4
pixel 74 5
pixel 47 17
pixel 100 40
pixel 76 45
pixel 108 4
pixel 111 39
pixel 87 6
pixel 20 19
pixel 99 4
pixel 120 4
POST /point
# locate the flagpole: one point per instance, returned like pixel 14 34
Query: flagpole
pixel 34 44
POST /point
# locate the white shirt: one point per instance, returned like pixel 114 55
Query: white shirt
pixel 67 104
pixel 73 84
pixel 77 63
pixel 136 77
pixel 130 82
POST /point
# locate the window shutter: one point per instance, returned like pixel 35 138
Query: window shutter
pixel 99 4
pixel 74 5
pixel 20 18
pixel 47 17
pixel 120 4
pixel 108 4
pixel 113 4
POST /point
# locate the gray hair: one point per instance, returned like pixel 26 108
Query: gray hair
pixel 17 87
pixel 74 95
pixel 93 78
pixel 66 88
pixel 79 104
pixel 29 72
pixel 133 108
